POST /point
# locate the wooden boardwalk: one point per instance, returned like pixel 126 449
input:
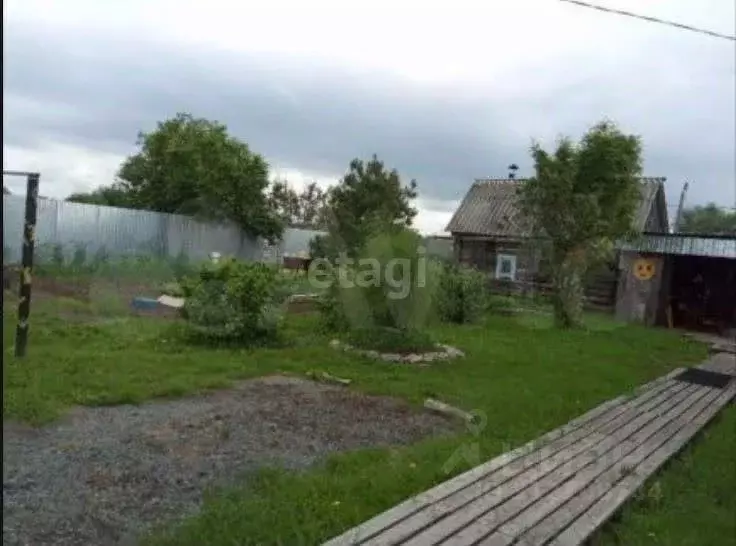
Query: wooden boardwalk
pixel 559 489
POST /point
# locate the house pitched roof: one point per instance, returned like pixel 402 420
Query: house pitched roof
pixel 490 207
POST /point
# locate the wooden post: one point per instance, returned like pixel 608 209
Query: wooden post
pixel 29 235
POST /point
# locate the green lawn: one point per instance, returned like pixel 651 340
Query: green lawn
pixel 524 376
pixel 692 503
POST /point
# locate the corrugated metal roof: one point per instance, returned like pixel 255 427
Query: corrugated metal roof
pixel 489 208
pixel 683 245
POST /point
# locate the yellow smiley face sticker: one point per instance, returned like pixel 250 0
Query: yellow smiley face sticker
pixel 644 269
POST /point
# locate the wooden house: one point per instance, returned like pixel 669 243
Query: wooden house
pixel 488 233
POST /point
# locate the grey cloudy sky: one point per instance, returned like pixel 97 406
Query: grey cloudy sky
pixel 445 92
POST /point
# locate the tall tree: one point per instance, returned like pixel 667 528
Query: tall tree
pixel 299 209
pixel 313 206
pixel 368 200
pixel 708 220
pixel 192 166
pixel 284 200
pixel 582 198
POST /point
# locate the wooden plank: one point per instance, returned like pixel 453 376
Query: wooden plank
pixel 385 519
pixel 553 454
pixel 650 405
pixel 502 499
pixel 515 511
pixel 594 490
pixel 723 363
pixel 610 464
pixel 607 505
pixel 560 449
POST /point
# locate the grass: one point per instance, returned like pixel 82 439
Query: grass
pixel 134 267
pixel 691 503
pixel 525 377
pixel 94 354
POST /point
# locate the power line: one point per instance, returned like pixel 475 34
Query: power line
pixel 651 19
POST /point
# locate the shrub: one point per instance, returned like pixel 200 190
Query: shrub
pixel 462 294
pixel 234 301
pixel 390 289
pixel 172 289
pixel 330 308
pixel 404 301
pixel 501 304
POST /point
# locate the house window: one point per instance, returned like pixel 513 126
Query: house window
pixel 506 267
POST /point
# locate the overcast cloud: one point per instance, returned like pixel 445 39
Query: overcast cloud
pixel 444 96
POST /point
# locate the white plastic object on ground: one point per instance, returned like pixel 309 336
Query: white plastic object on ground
pixel 170 301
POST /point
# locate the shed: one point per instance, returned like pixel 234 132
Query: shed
pixel 679 280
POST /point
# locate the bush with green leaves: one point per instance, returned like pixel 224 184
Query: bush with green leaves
pixel 330 308
pixel 234 301
pixel 462 295
pixel 501 304
pixel 172 289
pixel 390 287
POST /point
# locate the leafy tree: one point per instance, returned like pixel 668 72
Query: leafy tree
pixel 582 198
pixel 112 196
pixel 313 206
pixel 284 200
pixel 368 200
pixel 193 166
pixel 305 209
pixel 708 220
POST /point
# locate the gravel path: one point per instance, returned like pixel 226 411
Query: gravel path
pixel 101 476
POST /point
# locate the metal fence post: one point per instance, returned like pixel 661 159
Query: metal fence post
pixel 29 235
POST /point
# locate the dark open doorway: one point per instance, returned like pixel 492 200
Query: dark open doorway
pixel 703 293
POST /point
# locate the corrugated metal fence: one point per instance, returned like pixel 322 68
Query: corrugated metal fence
pixel 72 228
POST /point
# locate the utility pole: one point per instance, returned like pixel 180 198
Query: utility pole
pixel 680 207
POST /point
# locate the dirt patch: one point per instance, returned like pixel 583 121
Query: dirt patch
pixel 48 287
pixel 97 296
pixel 88 290
pixel 103 475
pixel 302 307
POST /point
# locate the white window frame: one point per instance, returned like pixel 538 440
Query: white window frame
pixel 500 259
